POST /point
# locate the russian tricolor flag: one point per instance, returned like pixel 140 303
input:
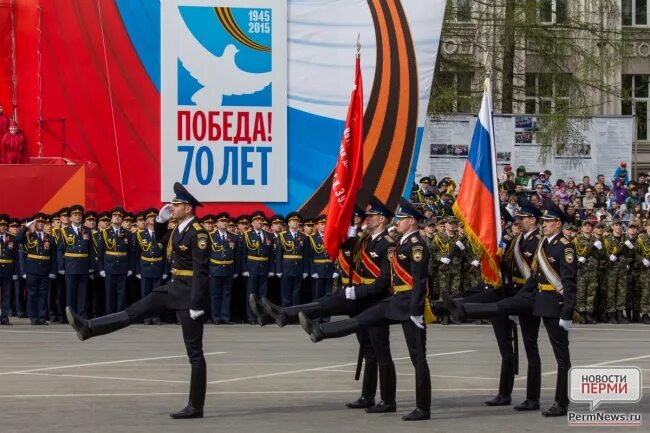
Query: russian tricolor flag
pixel 477 205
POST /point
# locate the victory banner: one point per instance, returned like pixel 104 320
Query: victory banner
pixel 224 99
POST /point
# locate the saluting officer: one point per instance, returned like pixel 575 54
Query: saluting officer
pixel 8 268
pixel 256 259
pixel 186 293
pixel 40 266
pixel 224 268
pixel 409 306
pixel 75 260
pixel 289 260
pixel 321 267
pixel 150 263
pixel 115 261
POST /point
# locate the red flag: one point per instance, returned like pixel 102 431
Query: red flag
pixel 348 173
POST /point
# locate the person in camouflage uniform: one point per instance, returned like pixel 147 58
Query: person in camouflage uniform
pixel 598 234
pixel 471 269
pixel 616 273
pixel 587 280
pixel 451 262
pixel 428 233
pixel 643 255
pixel 633 270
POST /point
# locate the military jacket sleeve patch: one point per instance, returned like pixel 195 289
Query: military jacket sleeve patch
pixel 202 241
pixel 417 253
pixel 569 255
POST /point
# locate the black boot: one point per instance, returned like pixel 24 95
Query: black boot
pixel 99 326
pixel 612 318
pixel 506 382
pixel 646 319
pixel 341 328
pixel 188 412
pixel 590 319
pixel 368 386
pixel 261 317
pixel 282 315
pixel 620 316
pixel 388 387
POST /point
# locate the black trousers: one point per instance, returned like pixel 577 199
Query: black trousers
pixel 255 284
pixel 116 296
pixel 290 289
pixel 57 297
pixel 147 285
pixel 220 295
pixel 559 338
pixel 416 342
pixel 37 286
pixel 320 287
pixel 76 288
pixel 6 286
pixel 157 303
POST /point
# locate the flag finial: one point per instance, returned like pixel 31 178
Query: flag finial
pixel 358 44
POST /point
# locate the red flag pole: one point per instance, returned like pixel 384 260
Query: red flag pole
pixel 348 174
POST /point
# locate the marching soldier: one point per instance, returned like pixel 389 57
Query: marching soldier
pixel 256 260
pixel 289 261
pixel 40 266
pixel 75 259
pixel 186 293
pixel 321 267
pixel 587 279
pixel 116 260
pixel 150 263
pixel 409 306
pixel 224 268
pixel 8 268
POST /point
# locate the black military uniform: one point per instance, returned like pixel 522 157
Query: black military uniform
pixel 186 293
pixel 8 269
pixel 409 305
pixel 372 270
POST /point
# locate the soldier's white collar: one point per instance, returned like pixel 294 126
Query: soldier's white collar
pixel 550 238
pixel 406 236
pixel 184 224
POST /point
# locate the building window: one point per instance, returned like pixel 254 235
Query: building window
pixel 547 11
pixel 635 102
pixel 460 83
pixel 547 93
pixel 463 10
pixel 635 12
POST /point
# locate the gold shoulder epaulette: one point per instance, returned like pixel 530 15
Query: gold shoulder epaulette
pixel 197 226
pixel 565 241
pixel 389 239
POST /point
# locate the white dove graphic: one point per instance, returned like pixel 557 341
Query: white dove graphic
pixel 219 76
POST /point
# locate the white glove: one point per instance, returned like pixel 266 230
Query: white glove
pixel 352 231
pixel 582 259
pixel 646 263
pixel 349 293
pixel 15 277
pixel 246 274
pixel 599 245
pixel 138 276
pixel 62 272
pixel 164 276
pixel 445 260
pixel 314 276
pixel 195 314
pixel 514 319
pixel 475 263
pixel 629 244
pixel 613 258
pixel 24 276
pixel 91 276
pixel 335 275
pixel 271 274
pixel 277 274
pixel 304 275
pixel 460 245
pixel 102 274
pixel 129 273
pixel 566 324
pixel 52 276
pixel 418 321
pixel 165 213
pixel 29 224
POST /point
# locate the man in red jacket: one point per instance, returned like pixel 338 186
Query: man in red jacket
pixel 13 148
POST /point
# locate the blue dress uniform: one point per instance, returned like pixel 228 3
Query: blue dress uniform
pixel 8 269
pixel 256 259
pixel 320 266
pixel 224 267
pixel 116 262
pixel 40 268
pixel 290 263
pixel 408 282
pixel 75 260
pixel 186 294
pixel 57 288
pixel 150 263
